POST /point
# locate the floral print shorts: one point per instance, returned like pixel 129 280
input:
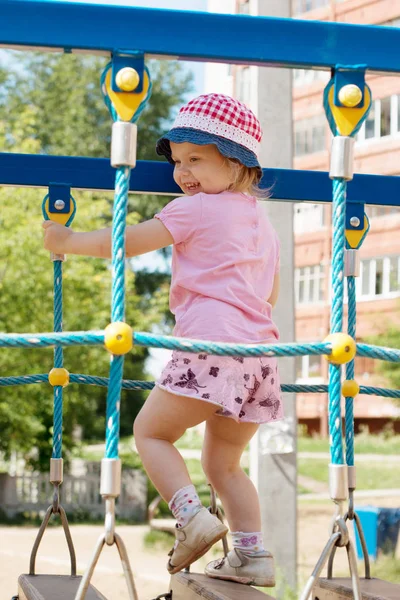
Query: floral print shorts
pixel 245 389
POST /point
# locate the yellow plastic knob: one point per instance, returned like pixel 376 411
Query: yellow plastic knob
pixel 59 376
pixel 343 348
pixel 127 79
pixel 350 388
pixel 350 95
pixel 118 338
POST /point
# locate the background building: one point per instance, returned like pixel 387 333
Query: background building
pixel 377 150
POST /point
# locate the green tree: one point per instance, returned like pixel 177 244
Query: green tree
pixel 52 104
pixel 389 337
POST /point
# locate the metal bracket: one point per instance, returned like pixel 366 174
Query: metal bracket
pixel 367 569
pixel 347 76
pixel 64 522
pixel 354 212
pixel 122 59
pixel 60 193
pixel 126 567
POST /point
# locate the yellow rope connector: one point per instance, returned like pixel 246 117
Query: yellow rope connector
pixel 118 338
pixel 59 376
pixel 350 388
pixel 350 95
pixel 343 348
pixel 127 79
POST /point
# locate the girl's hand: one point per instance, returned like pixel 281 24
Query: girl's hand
pixel 56 237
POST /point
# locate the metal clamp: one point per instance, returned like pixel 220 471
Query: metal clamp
pixel 123 144
pixel 85 581
pixel 338 485
pixel 367 567
pixel 110 488
pixel 339 538
pixel 342 158
pixel 351 263
pixel 41 531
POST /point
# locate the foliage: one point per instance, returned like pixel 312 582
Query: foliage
pixel 364 443
pixel 52 104
pixel 370 475
pixel 390 337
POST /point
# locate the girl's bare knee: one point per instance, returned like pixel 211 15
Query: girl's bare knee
pixel 217 471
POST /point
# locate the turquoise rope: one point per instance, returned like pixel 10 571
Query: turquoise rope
pixel 349 402
pixel 93 338
pixel 47 340
pixel 24 380
pixel 229 349
pixel 118 275
pixel 338 247
pixel 58 362
pixel 128 384
pixel 117 307
pixel 380 352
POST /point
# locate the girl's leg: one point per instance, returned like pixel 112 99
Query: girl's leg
pixel 248 562
pixel 225 441
pixel 163 419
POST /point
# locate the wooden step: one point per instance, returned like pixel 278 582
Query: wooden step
pixel 341 589
pixel 53 587
pixel 192 586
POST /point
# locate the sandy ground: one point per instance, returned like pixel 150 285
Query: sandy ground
pixel 148 566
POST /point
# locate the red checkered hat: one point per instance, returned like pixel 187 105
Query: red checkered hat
pixel 220 120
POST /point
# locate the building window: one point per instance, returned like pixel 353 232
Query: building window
pixel 381 211
pixel 379 277
pixel 244 7
pixel 308 217
pixel 394 274
pixel 309 284
pixel 385 116
pixel 383 119
pixel 302 6
pixel 309 135
pixel 370 123
pixel 398 112
pixel 309 76
pixel 308 367
pixel 243 84
pixel 392 23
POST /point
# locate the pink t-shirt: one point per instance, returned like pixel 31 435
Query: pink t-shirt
pixel 224 260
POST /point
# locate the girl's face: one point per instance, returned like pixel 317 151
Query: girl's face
pixel 200 168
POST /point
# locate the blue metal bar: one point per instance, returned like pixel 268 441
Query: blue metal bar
pixel 225 38
pixel 156 177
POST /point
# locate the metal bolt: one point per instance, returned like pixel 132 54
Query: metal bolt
pixel 354 221
pixel 59 204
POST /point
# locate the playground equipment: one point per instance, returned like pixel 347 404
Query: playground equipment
pixel 126 86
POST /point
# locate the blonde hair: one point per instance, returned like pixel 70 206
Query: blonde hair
pixel 246 179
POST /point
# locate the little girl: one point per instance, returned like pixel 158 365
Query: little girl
pixel 224 284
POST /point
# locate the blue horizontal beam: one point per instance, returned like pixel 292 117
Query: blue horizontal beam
pixel 190 35
pixel 156 177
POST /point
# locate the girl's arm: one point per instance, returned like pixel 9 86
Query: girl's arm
pixel 275 290
pixel 144 237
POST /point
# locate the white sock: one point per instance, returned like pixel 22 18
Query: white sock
pixel 249 543
pixel 184 504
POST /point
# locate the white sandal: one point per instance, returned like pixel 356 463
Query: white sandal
pixel 256 570
pixel 195 539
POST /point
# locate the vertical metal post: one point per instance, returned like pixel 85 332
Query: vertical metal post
pixel 274 467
